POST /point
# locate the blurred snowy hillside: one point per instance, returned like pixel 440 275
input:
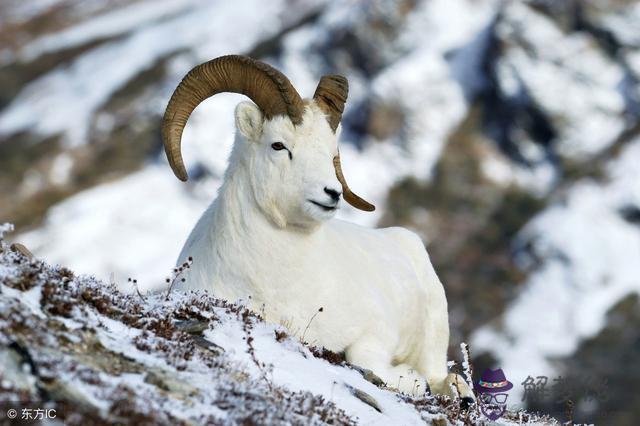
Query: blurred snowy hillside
pixel 506 133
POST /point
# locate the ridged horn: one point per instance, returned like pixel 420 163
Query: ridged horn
pixel 351 198
pixel 264 85
pixel 331 95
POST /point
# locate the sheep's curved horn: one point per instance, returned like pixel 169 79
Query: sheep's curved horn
pixel 349 196
pixel 330 96
pixel 267 87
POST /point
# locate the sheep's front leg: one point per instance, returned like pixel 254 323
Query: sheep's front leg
pixel 371 354
pixel 433 360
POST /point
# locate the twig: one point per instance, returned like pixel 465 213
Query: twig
pixel 467 369
pixel 135 285
pixel 310 321
pixel 456 397
pixel 246 327
pixel 569 412
pixel 177 273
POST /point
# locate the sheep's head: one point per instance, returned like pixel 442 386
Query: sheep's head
pixel 289 145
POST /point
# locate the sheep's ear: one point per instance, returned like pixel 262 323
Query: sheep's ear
pixel 249 120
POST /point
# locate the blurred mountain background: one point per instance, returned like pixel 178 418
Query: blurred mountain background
pixel 506 133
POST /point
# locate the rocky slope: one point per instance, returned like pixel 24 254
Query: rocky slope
pixel 505 132
pixel 84 349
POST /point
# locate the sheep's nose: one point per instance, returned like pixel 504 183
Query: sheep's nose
pixel 335 195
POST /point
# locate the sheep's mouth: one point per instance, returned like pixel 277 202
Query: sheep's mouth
pixel 324 206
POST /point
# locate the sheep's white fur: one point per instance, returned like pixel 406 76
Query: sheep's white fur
pixel 262 241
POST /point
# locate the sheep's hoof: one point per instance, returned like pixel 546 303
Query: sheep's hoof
pixel 466 402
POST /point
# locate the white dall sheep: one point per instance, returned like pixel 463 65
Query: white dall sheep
pixel 270 237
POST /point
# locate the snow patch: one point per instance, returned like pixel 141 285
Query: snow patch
pixel 589 256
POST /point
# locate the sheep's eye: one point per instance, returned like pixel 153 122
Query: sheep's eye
pixel 278 146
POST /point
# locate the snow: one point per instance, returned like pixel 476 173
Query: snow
pixel 622 23
pixel 134 226
pixel 118 346
pixel 578 86
pixel 61 169
pixel 30 298
pixel 294 367
pixel 538 179
pixel 72 97
pixel 129 219
pixel 423 78
pixel 129 208
pixel 6 228
pixel 589 256
pixel 107 25
pixel 448 24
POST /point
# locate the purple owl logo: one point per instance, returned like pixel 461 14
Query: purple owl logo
pixel 492 392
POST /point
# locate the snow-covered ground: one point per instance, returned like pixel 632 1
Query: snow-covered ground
pixel 180 358
pixel 430 64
